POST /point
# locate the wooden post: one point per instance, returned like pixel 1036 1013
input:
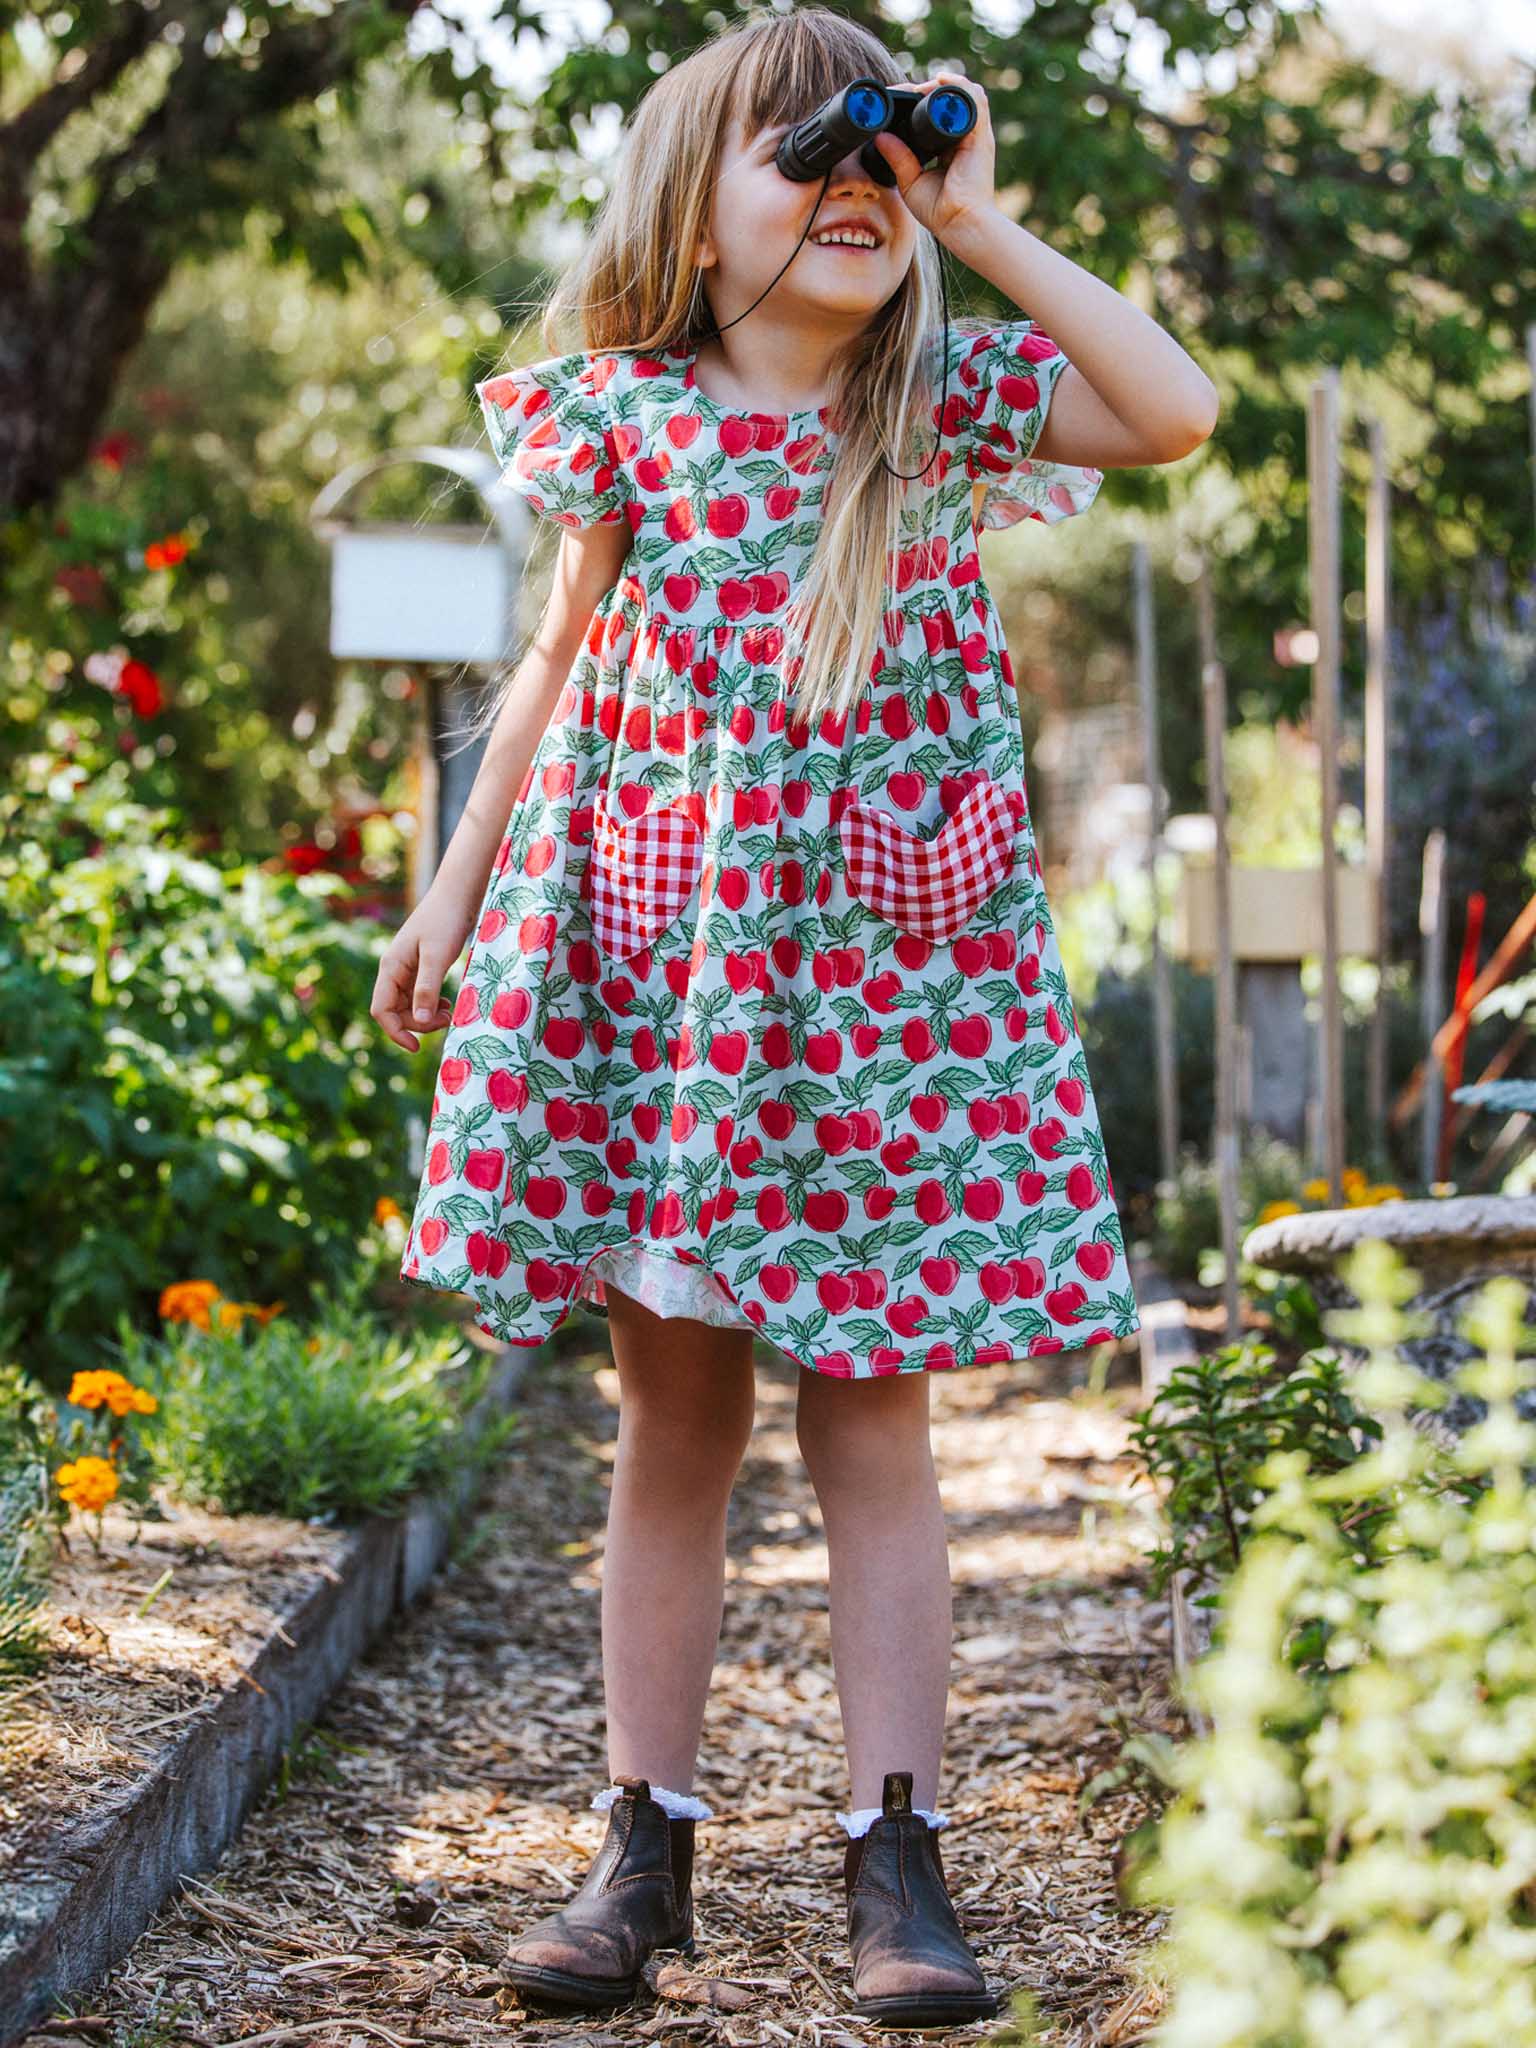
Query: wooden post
pixel 1213 683
pixel 1323 550
pixel 424 775
pixel 1378 724
pixel 1162 985
pixel 1432 998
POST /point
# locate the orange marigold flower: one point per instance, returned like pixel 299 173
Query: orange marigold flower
pixel 130 1400
pixel 387 1210
pixel 87 1483
pixel 265 1315
pixel 188 1301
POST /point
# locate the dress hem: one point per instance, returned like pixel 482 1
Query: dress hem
pixel 1004 1352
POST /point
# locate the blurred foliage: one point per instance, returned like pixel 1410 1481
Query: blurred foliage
pixel 190 1081
pixel 1463 757
pixel 1347 1857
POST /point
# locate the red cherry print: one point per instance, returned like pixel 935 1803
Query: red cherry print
pixel 739 1065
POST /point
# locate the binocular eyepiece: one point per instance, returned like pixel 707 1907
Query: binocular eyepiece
pixel 929 123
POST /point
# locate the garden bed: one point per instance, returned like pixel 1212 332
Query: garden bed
pixel 164 1708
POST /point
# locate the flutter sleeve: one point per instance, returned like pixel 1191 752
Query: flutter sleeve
pixel 551 432
pixel 1004 376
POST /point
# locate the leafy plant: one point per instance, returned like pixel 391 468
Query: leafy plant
pixel 261 1414
pixel 1349 1855
pixel 1210 1430
pixel 30 1513
pixel 189 1077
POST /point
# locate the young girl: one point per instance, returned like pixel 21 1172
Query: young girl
pixel 763 1029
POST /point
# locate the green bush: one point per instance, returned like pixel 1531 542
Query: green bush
pixel 333 1420
pixel 1351 1853
pixel 190 1081
pixel 30 1513
pixel 1208 1433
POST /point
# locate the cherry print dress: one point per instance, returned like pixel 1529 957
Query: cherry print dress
pixel 764 1023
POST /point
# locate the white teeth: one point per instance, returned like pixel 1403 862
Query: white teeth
pixel 856 238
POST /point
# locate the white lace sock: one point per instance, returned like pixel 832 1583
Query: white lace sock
pixel 680 1805
pixel 857 1822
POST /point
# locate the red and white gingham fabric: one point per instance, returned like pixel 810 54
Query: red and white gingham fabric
pixel 643 871
pixel 930 887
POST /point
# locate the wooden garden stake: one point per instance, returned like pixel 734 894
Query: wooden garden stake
pixel 1213 684
pixel 1323 550
pixel 1432 996
pixel 1378 723
pixel 1162 987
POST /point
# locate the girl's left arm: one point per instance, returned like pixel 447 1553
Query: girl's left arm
pixel 1129 395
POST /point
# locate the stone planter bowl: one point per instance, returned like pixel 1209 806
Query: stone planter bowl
pixel 1454 1245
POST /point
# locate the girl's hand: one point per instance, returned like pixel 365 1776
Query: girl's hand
pixel 951 198
pixel 411 971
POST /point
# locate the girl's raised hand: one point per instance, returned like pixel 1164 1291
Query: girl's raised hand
pixel 951 197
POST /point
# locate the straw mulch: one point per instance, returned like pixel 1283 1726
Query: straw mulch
pixel 443 1800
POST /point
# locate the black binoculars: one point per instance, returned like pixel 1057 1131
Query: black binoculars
pixel 929 123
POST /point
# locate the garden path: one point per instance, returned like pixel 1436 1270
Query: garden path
pixel 441 1802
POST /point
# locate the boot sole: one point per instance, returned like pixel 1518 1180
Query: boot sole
pixel 588 1994
pixel 933 2009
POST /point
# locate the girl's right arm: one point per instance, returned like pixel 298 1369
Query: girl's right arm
pixel 410 977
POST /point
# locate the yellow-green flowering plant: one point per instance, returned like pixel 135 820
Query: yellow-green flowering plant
pixel 1350 1856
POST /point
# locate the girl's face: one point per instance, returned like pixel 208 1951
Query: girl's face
pixel 757 216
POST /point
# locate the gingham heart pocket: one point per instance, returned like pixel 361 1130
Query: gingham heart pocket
pixel 933 886
pixel 642 872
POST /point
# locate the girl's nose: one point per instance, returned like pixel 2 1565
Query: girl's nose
pixel 850 174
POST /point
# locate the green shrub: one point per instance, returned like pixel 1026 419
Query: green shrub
pixel 30 1513
pixel 1211 1428
pixel 331 1420
pixel 190 1081
pixel 1351 1853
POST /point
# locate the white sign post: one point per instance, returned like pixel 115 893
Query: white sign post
pixel 445 596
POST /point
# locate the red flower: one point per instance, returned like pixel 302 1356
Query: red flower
pixel 115 450
pixel 141 686
pixel 165 554
pixel 304 858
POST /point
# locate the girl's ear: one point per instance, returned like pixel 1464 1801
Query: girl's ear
pixel 706 257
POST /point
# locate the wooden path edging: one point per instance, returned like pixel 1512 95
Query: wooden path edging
pixel 63 1929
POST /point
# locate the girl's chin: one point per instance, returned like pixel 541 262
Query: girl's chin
pixel 856 298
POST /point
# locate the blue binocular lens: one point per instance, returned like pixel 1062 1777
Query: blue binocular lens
pixel 950 112
pixel 867 109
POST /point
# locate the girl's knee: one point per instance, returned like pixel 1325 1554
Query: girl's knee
pixel 869 1432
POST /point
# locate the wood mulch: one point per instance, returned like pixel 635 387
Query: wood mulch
pixel 143 1639
pixel 442 1801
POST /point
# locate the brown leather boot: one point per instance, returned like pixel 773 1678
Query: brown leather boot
pixel 637 1896
pixel 912 1966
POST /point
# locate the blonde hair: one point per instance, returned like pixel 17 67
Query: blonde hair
pixel 636 286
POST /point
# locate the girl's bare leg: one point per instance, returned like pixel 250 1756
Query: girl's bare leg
pixel 686 1408
pixel 866 1447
